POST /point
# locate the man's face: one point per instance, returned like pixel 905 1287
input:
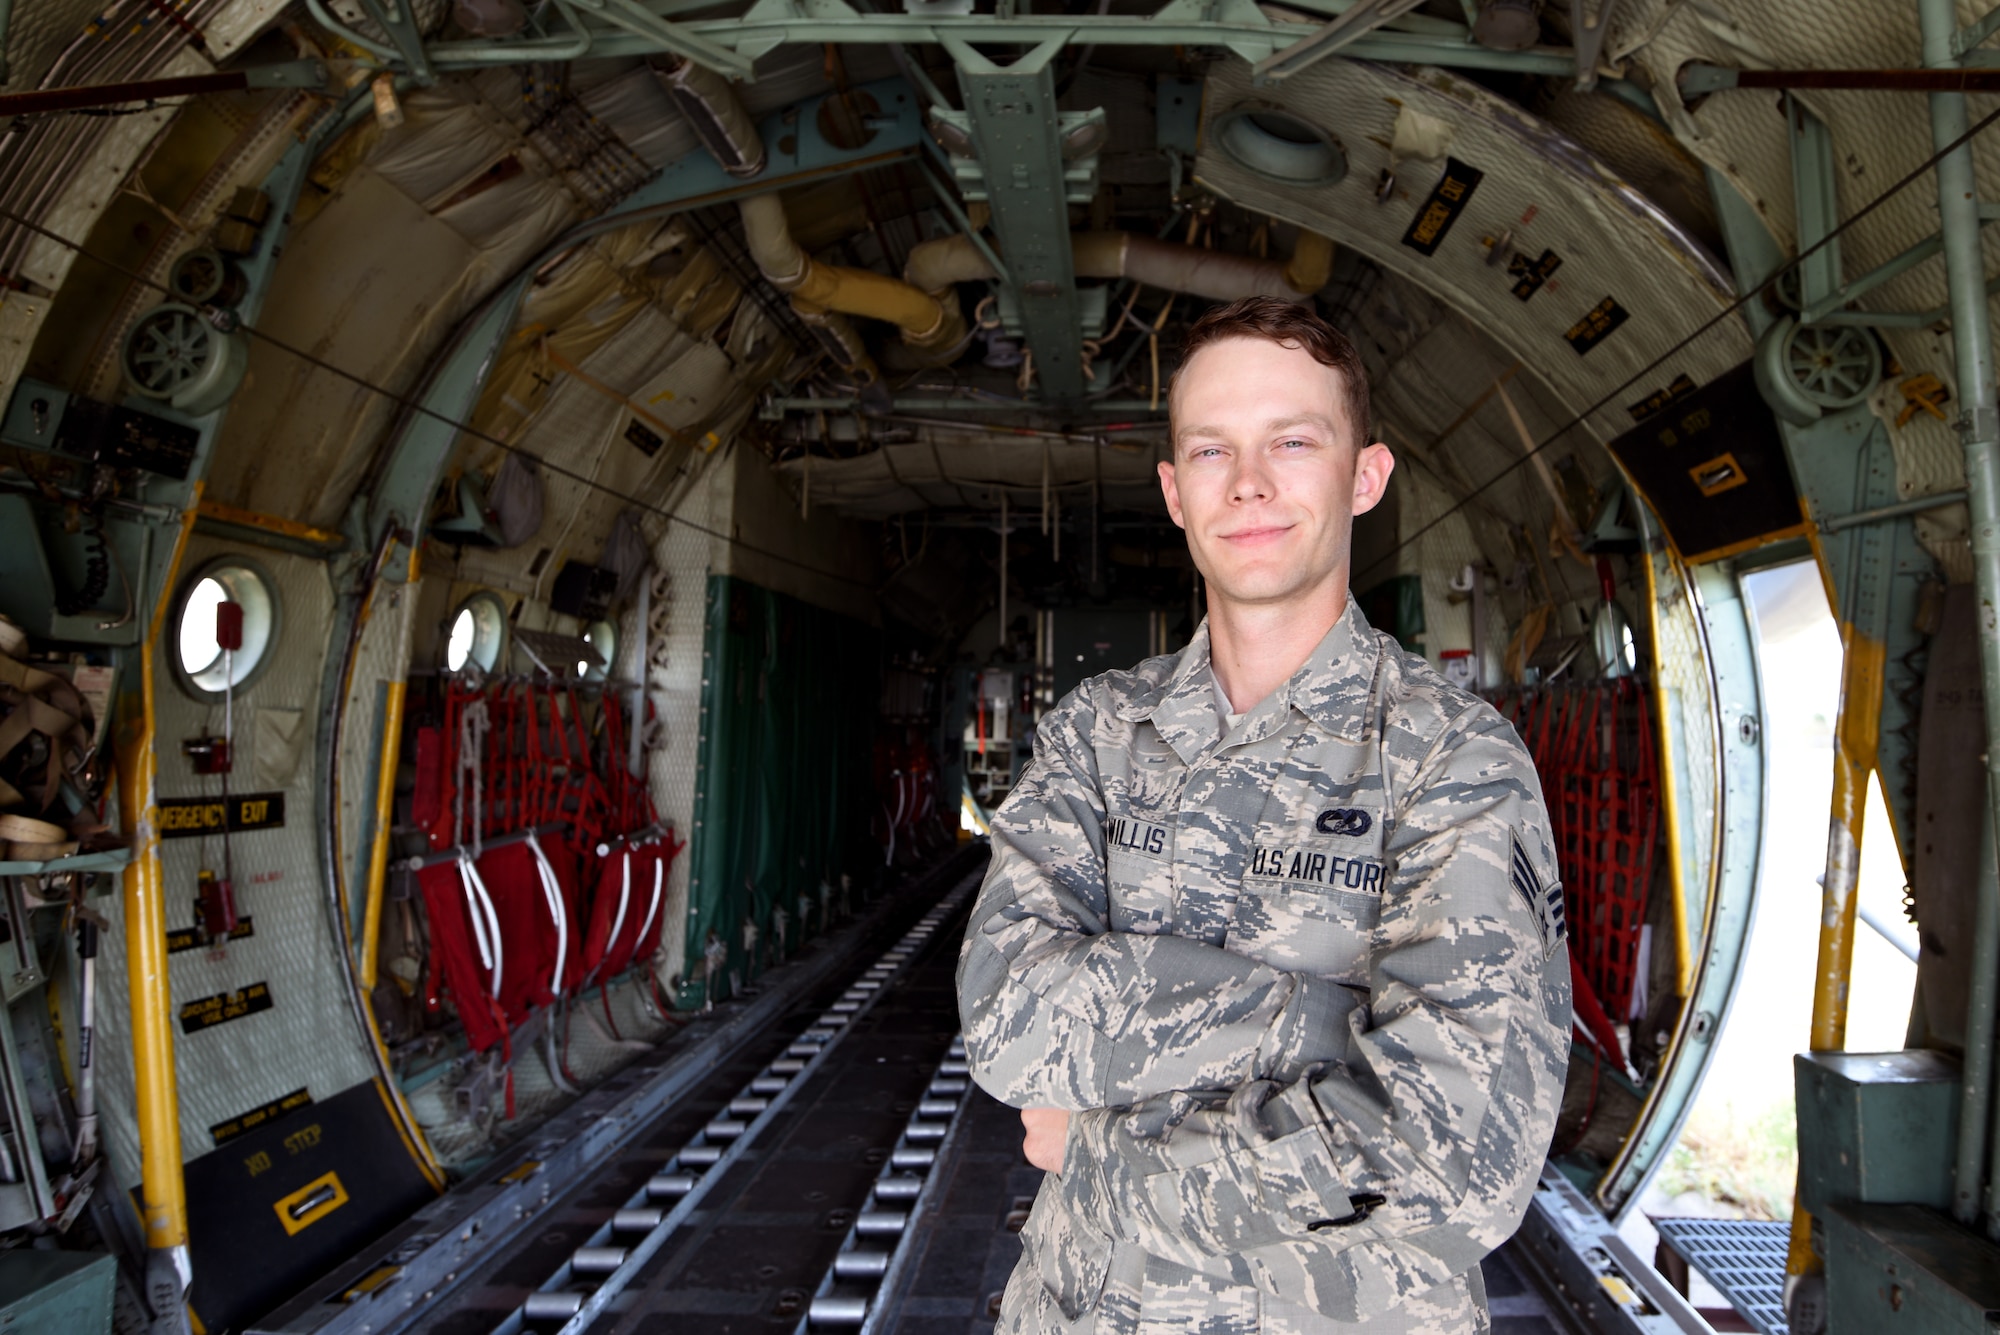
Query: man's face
pixel 1268 472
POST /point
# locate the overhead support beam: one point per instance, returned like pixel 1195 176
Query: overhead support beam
pixel 631 17
pixel 1817 205
pixel 1329 38
pixel 1011 114
pixel 290 74
pixel 1238 25
pixel 1697 80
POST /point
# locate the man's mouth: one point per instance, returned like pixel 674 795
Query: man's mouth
pixel 1256 537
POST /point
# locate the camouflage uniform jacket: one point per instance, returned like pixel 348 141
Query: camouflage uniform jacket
pixel 1303 988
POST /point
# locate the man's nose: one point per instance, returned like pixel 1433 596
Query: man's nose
pixel 1249 479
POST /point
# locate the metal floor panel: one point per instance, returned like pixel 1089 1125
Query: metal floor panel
pixel 1743 1258
pixel 967 1251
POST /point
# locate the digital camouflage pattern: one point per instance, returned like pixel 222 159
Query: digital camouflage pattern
pixel 1276 977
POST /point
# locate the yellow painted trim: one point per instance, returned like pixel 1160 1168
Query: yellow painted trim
pixel 399 1108
pixel 1749 544
pixel 406 1122
pixel 297 1224
pixel 287 528
pixel 1856 737
pixel 1669 797
pixel 378 856
pixel 162 1184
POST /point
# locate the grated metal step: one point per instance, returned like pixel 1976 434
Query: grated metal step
pixel 1743 1258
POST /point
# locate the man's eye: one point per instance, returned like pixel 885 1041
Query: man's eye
pixel 1302 444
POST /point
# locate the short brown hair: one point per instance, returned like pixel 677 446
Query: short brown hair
pixel 1291 325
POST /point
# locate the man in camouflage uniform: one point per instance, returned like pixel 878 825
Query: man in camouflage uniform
pixel 1283 993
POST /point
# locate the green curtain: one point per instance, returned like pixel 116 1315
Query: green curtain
pixel 784 790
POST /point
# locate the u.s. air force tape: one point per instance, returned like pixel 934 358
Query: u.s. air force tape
pixel 1311 866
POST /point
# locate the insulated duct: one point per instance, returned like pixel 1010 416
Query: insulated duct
pixel 1170 266
pixel 933 326
pixel 715 114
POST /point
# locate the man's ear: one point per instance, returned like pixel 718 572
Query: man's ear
pixel 1372 467
pixel 1170 488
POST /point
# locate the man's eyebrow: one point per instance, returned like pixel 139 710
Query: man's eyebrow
pixel 1275 424
pixel 1302 419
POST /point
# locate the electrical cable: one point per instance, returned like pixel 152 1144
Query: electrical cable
pixel 1618 391
pixel 415 406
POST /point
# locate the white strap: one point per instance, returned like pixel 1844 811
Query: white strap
pixel 558 911
pixel 485 920
pixel 624 898
pixel 659 876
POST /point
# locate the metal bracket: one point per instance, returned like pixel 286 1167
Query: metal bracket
pixel 401 25
pixel 1586 34
pixel 1972 34
pixel 1011 114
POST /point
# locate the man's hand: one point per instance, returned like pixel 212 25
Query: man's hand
pixel 1047 1130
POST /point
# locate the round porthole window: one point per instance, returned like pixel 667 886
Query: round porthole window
pixel 1611 636
pixel 601 637
pixel 478 634
pixel 1280 146
pixel 203 666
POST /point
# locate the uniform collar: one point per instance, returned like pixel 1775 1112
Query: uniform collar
pixel 1332 688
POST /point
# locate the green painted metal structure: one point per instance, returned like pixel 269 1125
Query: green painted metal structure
pixel 784 792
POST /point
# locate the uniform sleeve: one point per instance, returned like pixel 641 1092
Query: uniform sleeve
pixel 1442 1106
pixel 1060 1012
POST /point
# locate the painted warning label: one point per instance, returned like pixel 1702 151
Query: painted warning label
pixel 186 817
pixel 223 1007
pixel 1596 325
pixel 1441 208
pixel 1529 274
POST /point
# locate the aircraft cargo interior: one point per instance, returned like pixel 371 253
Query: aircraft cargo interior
pixel 944 667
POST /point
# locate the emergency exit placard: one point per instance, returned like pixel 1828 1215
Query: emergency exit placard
pixel 185 817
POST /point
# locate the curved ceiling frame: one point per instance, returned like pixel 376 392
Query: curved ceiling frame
pixel 1496 179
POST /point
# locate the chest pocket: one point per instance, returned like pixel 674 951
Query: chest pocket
pixel 1138 873
pixel 1311 897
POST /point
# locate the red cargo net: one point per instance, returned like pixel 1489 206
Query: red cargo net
pixel 1593 747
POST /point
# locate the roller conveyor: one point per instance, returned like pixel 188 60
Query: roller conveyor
pixel 645 1132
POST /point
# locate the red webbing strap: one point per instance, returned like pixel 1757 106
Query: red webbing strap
pixel 424 808
pixel 1607 831
pixel 466 981
pixel 500 772
pixel 534 810
pixel 609 908
pixel 590 791
pixel 1590 1016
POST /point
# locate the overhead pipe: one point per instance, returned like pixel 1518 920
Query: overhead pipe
pixel 1170 266
pixel 715 114
pixel 932 326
